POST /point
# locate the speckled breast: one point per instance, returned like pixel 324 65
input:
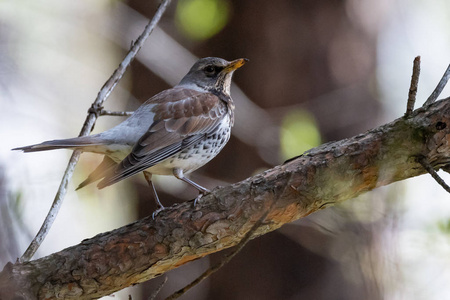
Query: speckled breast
pixel 194 157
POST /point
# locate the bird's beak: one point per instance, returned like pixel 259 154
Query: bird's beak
pixel 235 64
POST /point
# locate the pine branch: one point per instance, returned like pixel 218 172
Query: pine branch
pixel 326 175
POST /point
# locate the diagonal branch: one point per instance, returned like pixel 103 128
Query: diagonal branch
pixel 329 174
pixel 440 86
pixel 423 161
pixel 88 125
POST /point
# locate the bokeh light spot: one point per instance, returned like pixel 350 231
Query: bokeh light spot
pixel 201 19
pixel 299 132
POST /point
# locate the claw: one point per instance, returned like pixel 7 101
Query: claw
pixel 156 212
pixel 200 195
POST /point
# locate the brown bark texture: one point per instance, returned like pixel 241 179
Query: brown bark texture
pixel 326 175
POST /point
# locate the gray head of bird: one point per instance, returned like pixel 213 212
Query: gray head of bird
pixel 212 74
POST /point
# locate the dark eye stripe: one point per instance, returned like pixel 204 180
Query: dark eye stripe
pixel 212 69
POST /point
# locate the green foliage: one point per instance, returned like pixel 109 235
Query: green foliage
pixel 299 132
pixel 202 19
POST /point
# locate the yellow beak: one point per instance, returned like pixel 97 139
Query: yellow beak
pixel 235 64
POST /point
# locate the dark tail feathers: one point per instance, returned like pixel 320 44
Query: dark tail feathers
pixel 62 144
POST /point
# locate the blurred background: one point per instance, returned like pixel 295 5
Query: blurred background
pixel 318 71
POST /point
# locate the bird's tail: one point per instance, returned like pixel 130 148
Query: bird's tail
pixel 72 143
pixel 100 172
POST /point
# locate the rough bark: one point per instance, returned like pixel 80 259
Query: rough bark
pixel 329 174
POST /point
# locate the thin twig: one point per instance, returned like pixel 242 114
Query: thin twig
pixel 116 113
pixel 224 261
pixel 157 290
pixel 88 125
pixel 413 87
pixel 424 162
pixel 438 90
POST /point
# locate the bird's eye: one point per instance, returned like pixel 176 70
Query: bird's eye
pixel 210 70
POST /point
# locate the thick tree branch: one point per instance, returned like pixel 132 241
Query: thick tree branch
pixel 329 174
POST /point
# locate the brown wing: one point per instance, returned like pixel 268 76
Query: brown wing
pixel 185 120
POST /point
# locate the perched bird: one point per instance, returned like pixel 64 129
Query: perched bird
pixel 173 133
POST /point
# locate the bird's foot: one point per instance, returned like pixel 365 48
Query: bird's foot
pixel 157 211
pixel 200 195
pixel 198 198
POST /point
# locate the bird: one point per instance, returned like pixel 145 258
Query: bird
pixel 174 132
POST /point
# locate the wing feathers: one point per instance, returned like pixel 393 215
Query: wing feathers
pixel 175 124
pixel 178 124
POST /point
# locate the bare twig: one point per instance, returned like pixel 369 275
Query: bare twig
pixel 88 125
pixel 116 113
pixel 224 261
pixel 438 90
pixel 424 162
pixel 158 289
pixel 413 87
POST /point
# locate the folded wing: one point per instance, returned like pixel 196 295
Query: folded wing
pixel 187 118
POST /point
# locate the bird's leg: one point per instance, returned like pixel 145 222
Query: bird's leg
pixel 160 207
pixel 178 173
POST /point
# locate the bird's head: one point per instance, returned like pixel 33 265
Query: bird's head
pixel 212 74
